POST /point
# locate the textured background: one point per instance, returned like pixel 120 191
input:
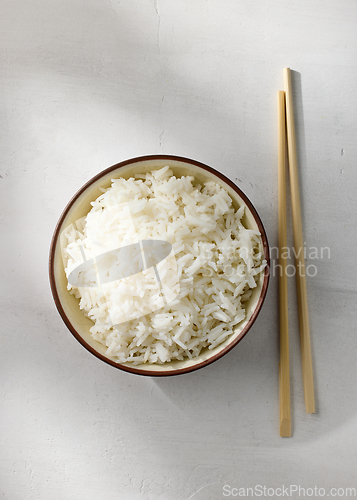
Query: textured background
pixel 86 84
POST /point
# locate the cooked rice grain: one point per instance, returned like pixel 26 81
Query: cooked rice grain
pixel 216 263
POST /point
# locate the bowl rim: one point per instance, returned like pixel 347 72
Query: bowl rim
pixel 128 367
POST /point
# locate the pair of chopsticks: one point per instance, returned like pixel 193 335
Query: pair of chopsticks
pixel 286 134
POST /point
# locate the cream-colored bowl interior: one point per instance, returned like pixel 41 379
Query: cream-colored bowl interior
pixel 81 207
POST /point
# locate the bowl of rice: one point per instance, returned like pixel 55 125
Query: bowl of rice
pixel 159 265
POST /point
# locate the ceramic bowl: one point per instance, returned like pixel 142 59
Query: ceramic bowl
pixel 79 206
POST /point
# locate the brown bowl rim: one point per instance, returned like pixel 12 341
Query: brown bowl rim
pixel 133 369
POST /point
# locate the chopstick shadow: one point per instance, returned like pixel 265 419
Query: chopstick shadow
pixel 299 135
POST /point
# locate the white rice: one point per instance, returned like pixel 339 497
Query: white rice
pixel 214 264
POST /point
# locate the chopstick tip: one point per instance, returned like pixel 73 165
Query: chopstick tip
pixel 285 428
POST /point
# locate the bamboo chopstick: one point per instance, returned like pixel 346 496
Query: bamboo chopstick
pixel 284 370
pixel 299 253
